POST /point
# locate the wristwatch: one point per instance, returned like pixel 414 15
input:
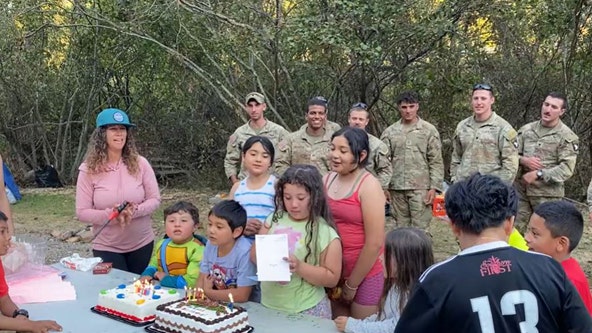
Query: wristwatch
pixel 539 174
pixel 20 312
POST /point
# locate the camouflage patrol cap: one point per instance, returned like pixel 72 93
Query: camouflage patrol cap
pixel 257 97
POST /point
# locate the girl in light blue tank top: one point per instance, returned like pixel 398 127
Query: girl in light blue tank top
pixel 257 202
pixel 256 192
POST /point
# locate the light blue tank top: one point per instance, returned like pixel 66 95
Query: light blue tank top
pixel 257 202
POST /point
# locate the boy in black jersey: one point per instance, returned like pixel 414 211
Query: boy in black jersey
pixel 489 286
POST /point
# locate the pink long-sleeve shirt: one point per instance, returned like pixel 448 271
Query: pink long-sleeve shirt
pixel 97 194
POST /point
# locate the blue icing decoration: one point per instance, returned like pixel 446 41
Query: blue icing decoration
pixel 121 286
pixel 157 287
pixel 155 296
pixel 120 296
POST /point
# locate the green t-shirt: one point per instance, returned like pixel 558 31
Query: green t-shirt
pixel 297 295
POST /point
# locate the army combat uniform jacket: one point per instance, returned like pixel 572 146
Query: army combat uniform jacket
pixel 300 148
pixel 488 147
pixel 379 163
pixel 557 148
pixel 416 156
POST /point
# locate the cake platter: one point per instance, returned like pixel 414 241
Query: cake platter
pixel 151 329
pixel 123 320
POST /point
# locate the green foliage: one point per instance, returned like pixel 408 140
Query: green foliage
pixel 181 68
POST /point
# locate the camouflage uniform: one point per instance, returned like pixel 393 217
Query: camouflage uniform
pixel 379 163
pixel 416 156
pixel 274 132
pixel 489 147
pixel 300 148
pixel 557 148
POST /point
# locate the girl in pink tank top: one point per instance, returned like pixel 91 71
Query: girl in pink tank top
pixel 356 201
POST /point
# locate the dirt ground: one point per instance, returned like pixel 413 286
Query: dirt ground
pixel 40 224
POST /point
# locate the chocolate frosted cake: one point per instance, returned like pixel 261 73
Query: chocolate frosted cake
pixel 201 316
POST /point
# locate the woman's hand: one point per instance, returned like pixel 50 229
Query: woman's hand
pixel 125 217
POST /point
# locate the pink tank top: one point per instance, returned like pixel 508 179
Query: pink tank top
pixel 347 214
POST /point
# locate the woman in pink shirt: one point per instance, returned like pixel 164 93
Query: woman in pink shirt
pixel 357 203
pixel 111 173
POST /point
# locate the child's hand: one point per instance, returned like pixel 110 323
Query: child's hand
pixel 145 278
pixel 252 227
pixel 348 294
pixel 159 275
pixel 42 326
pixel 294 263
pixel 209 283
pixel 340 323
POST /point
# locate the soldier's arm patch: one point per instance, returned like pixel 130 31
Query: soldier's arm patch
pixel 574 142
pixel 232 139
pixel 283 145
pixel 512 136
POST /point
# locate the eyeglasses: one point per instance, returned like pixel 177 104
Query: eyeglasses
pixel 360 105
pixel 482 86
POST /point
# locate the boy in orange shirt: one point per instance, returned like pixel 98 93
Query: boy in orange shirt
pixel 555 229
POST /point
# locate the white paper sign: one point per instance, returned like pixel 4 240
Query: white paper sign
pixel 271 251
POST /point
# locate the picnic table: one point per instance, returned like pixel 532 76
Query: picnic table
pixel 76 316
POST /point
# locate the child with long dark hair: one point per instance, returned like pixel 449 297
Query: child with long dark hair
pixel 408 252
pixel 315 250
pixel 256 192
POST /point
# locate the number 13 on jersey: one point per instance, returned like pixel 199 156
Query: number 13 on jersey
pixel 508 305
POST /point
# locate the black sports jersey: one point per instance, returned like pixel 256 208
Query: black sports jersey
pixel 495 288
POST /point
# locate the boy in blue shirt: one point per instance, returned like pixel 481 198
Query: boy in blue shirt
pixel 226 264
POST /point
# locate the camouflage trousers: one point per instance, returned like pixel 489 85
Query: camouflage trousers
pixel 526 206
pixel 409 208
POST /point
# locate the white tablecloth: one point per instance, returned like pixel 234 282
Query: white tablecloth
pixel 76 317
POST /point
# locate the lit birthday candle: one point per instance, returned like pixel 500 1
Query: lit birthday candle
pixel 231 304
pixel 186 294
pixel 137 287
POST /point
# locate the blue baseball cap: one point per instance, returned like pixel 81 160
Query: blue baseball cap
pixel 113 117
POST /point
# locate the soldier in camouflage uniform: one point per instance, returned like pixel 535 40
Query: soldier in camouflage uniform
pixel 484 142
pixel 548 151
pixel 310 144
pixel 257 125
pixel 379 163
pixel 415 151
